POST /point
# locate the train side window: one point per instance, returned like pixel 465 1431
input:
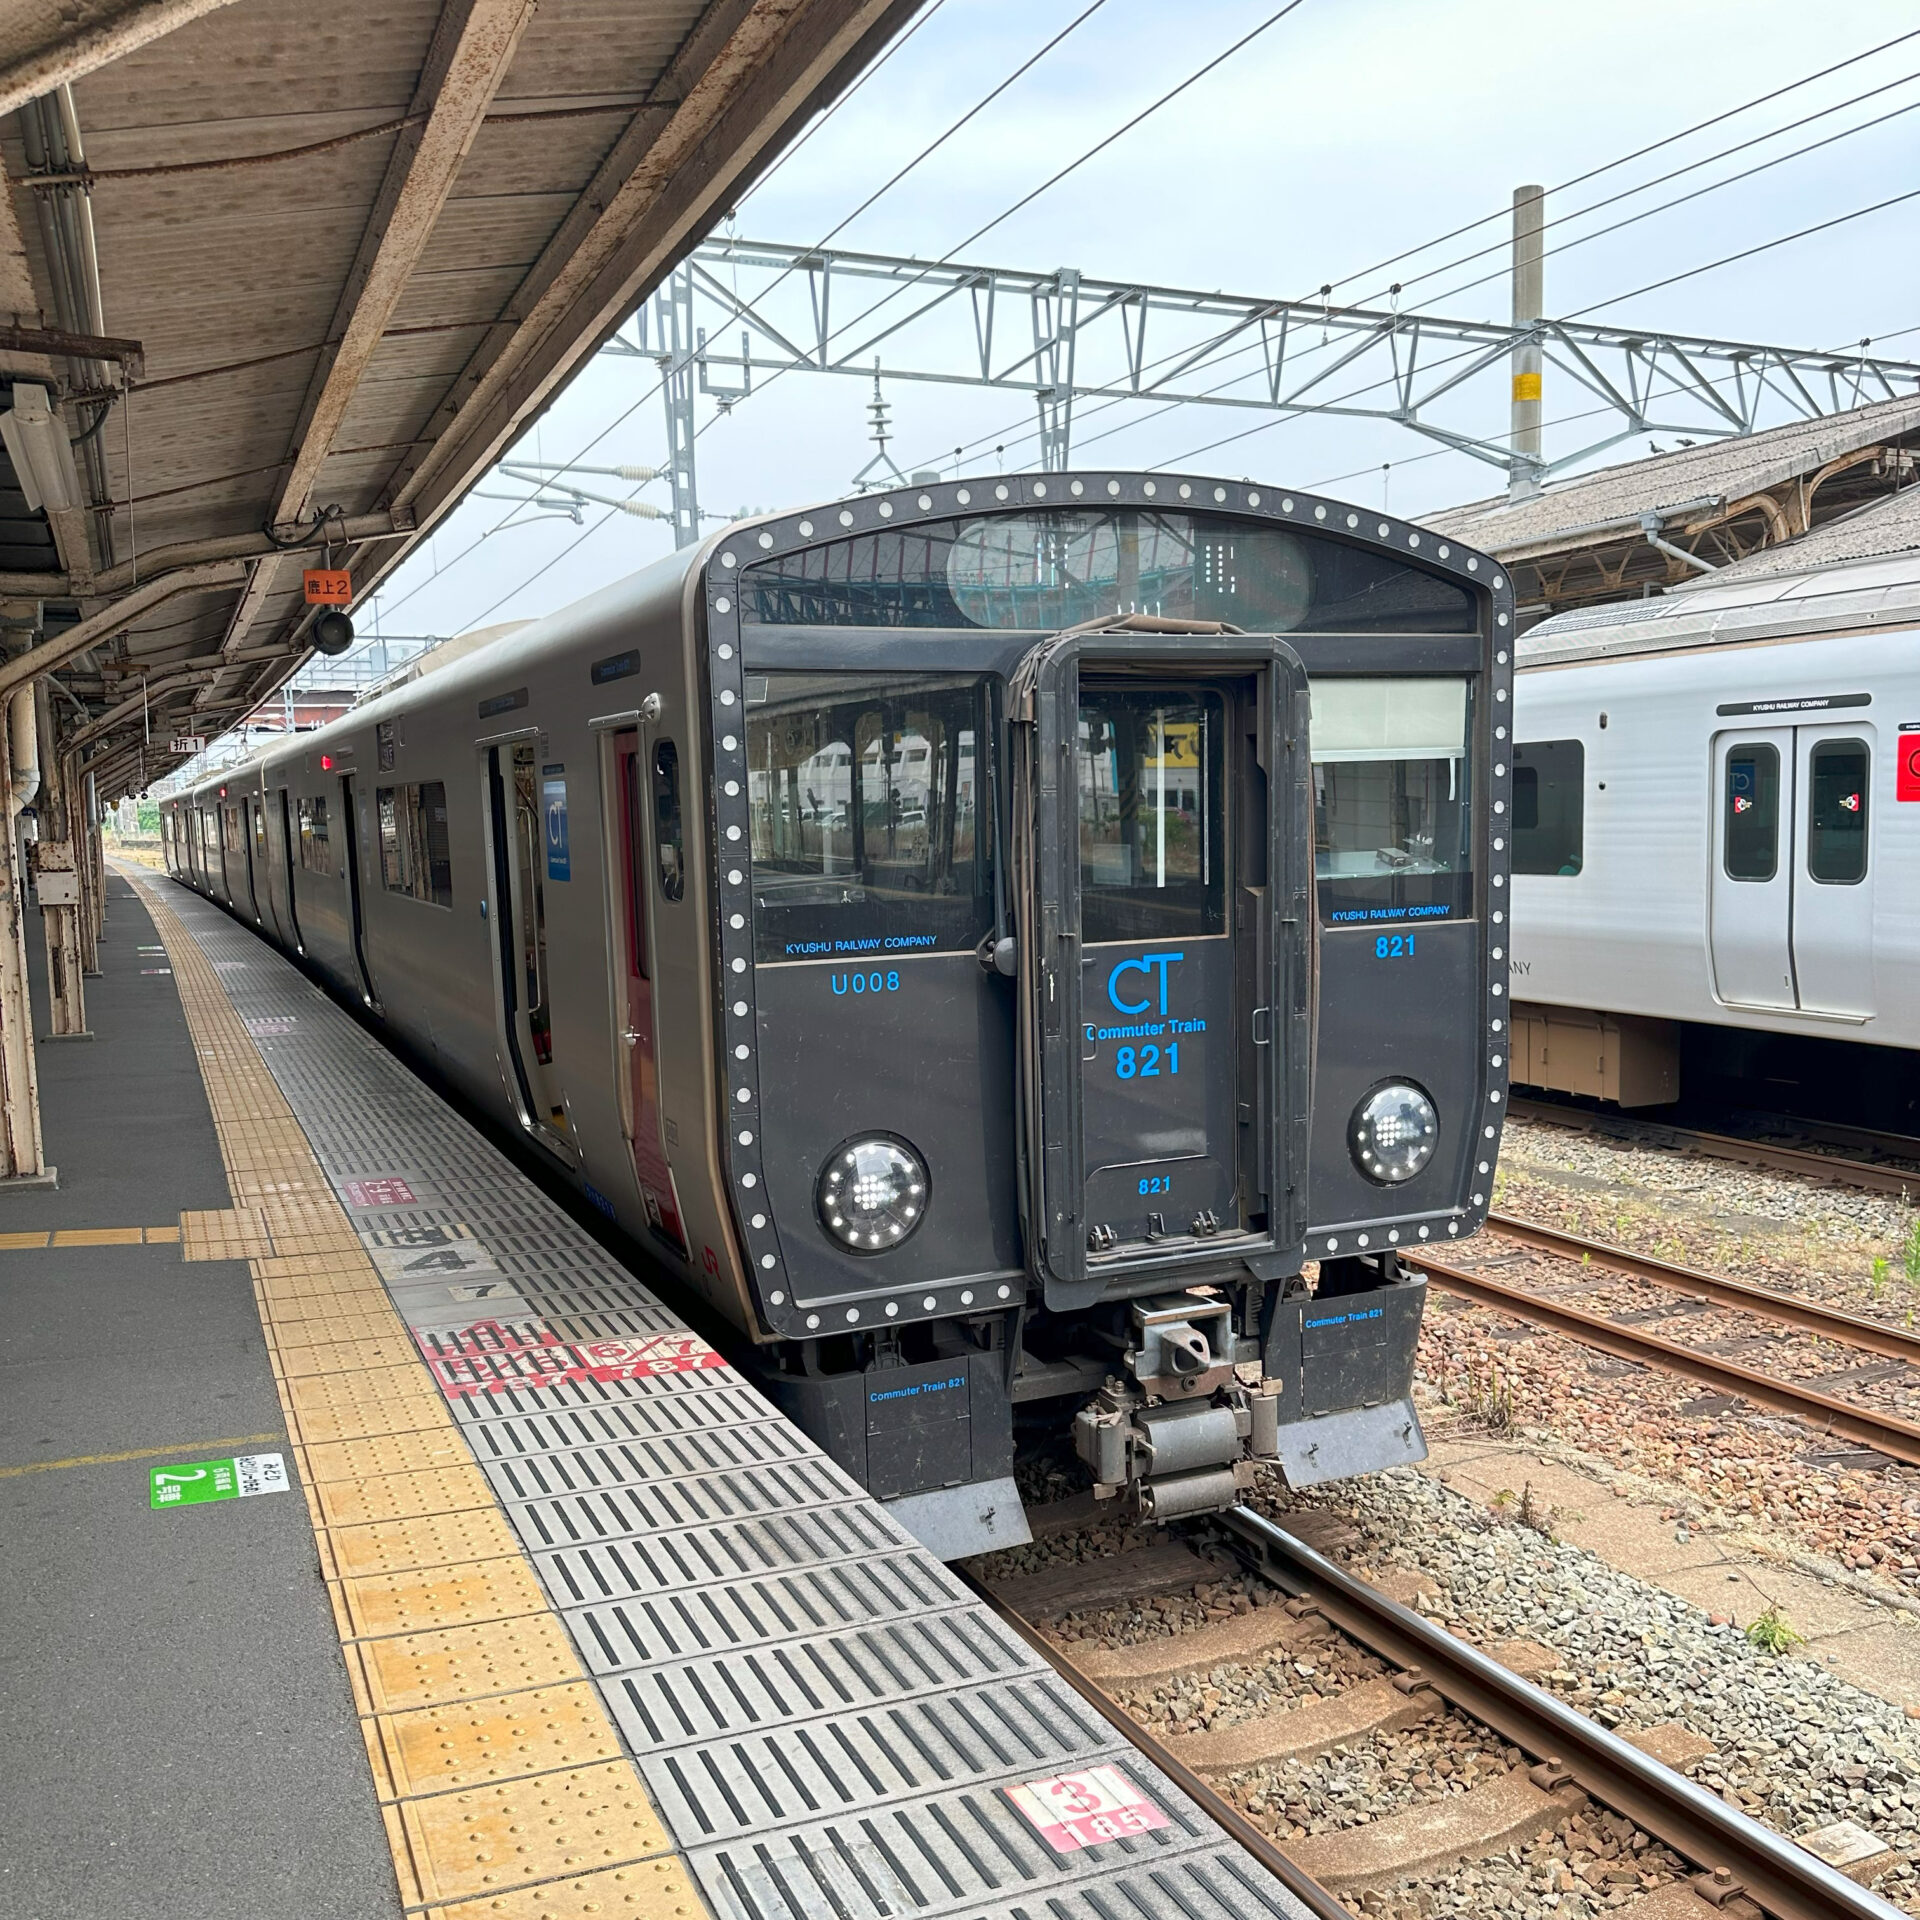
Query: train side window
pixel 413 841
pixel 316 849
pixel 635 840
pixel 1549 806
pixel 1752 831
pixel 1837 824
pixel 668 832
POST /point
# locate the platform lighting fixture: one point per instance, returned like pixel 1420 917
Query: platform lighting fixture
pixel 37 445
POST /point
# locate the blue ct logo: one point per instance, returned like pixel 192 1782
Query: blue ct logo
pixel 1145 964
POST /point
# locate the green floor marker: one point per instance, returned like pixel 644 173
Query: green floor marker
pixel 234 1479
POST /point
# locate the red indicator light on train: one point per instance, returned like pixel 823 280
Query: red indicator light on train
pixel 326 763
pixel 223 793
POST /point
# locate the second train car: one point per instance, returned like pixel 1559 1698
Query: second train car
pixel 1027 948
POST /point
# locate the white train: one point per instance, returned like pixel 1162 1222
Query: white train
pixel 1716 840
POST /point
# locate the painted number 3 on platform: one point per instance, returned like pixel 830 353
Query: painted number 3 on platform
pixel 1077 1810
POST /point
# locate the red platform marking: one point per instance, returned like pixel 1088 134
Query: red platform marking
pixel 1077 1810
pixel 380 1193
pixel 503 1356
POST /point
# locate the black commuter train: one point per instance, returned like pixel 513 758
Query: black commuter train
pixel 987 938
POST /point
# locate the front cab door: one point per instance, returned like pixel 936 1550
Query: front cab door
pixel 1160 864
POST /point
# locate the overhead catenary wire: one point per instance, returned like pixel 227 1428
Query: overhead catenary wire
pixel 1022 433
pixel 1025 200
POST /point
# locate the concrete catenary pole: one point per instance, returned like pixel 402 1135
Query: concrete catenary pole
pixel 1529 294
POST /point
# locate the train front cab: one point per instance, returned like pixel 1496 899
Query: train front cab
pixel 1110 922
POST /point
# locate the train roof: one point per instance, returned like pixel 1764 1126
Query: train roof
pixel 1860 572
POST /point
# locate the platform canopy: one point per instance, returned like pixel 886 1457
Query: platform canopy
pixel 279 281
pixel 1647 525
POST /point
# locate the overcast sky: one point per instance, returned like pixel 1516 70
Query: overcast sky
pixel 1344 134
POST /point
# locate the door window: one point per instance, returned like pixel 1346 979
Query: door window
pixel 529 849
pixel 1152 862
pixel 666 808
pixel 1753 811
pixel 1837 818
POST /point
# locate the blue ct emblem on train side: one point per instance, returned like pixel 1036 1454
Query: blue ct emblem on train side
pixel 1145 964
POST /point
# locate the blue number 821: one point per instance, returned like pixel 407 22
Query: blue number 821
pixel 1393 946
pixel 1157 1183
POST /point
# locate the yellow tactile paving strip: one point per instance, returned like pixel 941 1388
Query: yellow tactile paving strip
pixel 41 1237
pixel 503 1786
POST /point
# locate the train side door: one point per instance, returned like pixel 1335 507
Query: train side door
pixel 259 874
pixel 1161 888
pixel 633 844
pixel 1751 902
pixel 517 907
pixel 289 858
pixel 1833 877
pixel 356 916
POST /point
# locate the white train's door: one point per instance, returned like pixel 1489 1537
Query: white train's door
pixel 1751 910
pixel 1833 879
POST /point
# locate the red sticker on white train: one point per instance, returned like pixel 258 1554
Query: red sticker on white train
pixel 1906 783
pixel 1077 1810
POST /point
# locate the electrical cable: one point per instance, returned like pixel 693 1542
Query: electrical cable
pixel 1015 428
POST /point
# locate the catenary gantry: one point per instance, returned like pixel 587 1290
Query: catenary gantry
pixel 279 283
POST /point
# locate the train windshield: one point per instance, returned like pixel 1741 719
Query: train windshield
pixel 1040 572
pixel 869 815
pixel 1391 798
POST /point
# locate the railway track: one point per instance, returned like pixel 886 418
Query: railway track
pixel 1865 1426
pixel 1738 1865
pixel 1886 1175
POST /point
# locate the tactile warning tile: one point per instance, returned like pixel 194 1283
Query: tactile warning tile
pixel 440 1492
pixel 351 1406
pixel 651 1890
pixel 376 1455
pixel 236 1233
pixel 470 1745
pixel 436 1538
pixel 436 1597
pixel 463 1663
pixel 487 1839
pixel 299 1358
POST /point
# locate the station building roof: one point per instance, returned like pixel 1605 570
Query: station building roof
pixel 290 277
pixel 1585 541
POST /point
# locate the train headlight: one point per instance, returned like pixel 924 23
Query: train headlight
pixel 872 1193
pixel 1393 1133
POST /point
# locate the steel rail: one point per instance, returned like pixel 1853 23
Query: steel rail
pixel 1832 1169
pixel 1881 1432
pixel 1850 1329
pixel 1735 1852
pixel 1220 1810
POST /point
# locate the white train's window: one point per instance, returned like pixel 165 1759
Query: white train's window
pixel 1549 806
pixel 1837 824
pixel 1752 833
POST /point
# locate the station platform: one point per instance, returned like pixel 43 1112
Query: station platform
pixel 555 1615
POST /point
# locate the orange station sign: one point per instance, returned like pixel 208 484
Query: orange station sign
pixel 328 586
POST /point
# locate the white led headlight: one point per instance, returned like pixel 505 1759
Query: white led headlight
pixel 872 1193
pixel 1393 1133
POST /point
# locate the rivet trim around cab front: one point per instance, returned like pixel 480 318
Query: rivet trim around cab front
pixel 943 501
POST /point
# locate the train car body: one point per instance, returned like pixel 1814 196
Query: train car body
pixel 983 938
pixel 1717 834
